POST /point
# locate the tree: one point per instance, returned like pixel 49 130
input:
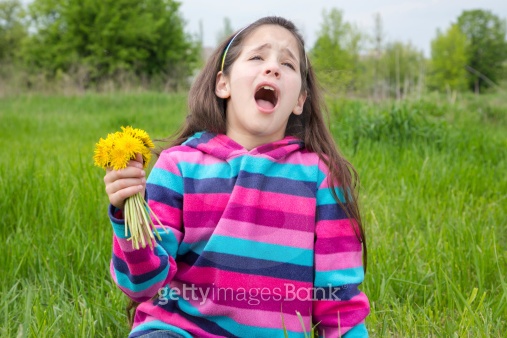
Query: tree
pixel 487 46
pixel 105 37
pixel 449 60
pixel 226 31
pixel 12 30
pixel 404 68
pixel 335 54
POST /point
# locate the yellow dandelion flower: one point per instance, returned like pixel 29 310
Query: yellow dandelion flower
pixel 128 130
pixel 146 159
pixel 119 158
pixel 144 137
pixel 101 156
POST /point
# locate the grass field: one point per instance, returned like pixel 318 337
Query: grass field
pixel 433 198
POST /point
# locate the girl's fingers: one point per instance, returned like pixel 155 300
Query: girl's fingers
pixel 125 183
pixel 118 198
pixel 129 172
pixel 137 162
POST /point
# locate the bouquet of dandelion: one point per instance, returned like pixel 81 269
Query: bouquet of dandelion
pixel 115 152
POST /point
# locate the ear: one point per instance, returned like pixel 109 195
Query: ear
pixel 298 108
pixel 222 87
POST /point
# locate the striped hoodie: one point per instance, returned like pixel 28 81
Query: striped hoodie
pixel 257 246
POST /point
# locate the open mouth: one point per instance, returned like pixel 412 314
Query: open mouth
pixel 266 97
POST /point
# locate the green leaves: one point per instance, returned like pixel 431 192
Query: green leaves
pixel 105 37
pixel 448 60
pixel 487 47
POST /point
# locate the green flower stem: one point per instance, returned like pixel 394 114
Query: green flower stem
pixel 139 224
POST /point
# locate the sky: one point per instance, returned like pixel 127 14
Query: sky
pixel 414 21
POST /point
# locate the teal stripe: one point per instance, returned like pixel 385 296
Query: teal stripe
pixel 358 331
pixel 251 164
pixel 125 282
pixel 258 250
pixel 232 326
pixel 265 166
pixel 339 277
pixel 324 196
pixel 119 230
pixel 158 325
pixel 166 179
pixel 196 247
pixel 202 171
pixel 169 243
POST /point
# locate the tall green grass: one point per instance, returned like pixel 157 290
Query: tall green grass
pixel 433 197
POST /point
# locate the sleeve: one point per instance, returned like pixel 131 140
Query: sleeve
pixel 340 307
pixel 141 273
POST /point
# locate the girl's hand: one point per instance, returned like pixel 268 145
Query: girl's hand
pixel 121 184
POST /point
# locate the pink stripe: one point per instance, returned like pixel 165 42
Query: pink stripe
pixel 275 201
pixel 357 303
pixel 229 279
pixel 206 202
pixel 198 234
pixel 169 216
pixel 265 234
pixel 255 317
pixel 300 158
pixel 340 260
pixel 122 247
pixel 335 228
pixel 192 155
pixel 261 298
pixel 166 163
pixel 334 332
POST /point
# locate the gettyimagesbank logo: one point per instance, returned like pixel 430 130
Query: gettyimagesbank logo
pixel 252 296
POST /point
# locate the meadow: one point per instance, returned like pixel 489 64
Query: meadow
pixel 433 197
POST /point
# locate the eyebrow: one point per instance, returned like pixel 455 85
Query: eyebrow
pixel 268 45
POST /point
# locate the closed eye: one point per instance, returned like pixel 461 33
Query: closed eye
pixel 256 57
pixel 290 65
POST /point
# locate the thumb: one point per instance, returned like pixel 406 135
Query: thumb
pixel 139 158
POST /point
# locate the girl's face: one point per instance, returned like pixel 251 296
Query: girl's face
pixel 263 87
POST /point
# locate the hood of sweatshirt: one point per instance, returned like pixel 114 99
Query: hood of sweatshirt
pixel 222 147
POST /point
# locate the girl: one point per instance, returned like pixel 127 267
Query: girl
pixel 265 234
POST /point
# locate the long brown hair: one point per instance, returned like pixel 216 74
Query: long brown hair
pixel 206 112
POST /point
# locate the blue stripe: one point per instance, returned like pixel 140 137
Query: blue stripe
pixel 275 184
pixel 338 293
pixel 166 179
pixel 251 181
pixel 204 322
pixel 157 325
pixel 339 277
pixel 124 281
pixel 209 185
pixel 198 138
pixel 165 195
pixel 249 266
pixel 258 250
pixel 121 267
pixel 330 212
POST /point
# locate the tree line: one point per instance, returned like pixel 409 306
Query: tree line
pixel 89 43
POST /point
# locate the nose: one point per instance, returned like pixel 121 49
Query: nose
pixel 272 69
